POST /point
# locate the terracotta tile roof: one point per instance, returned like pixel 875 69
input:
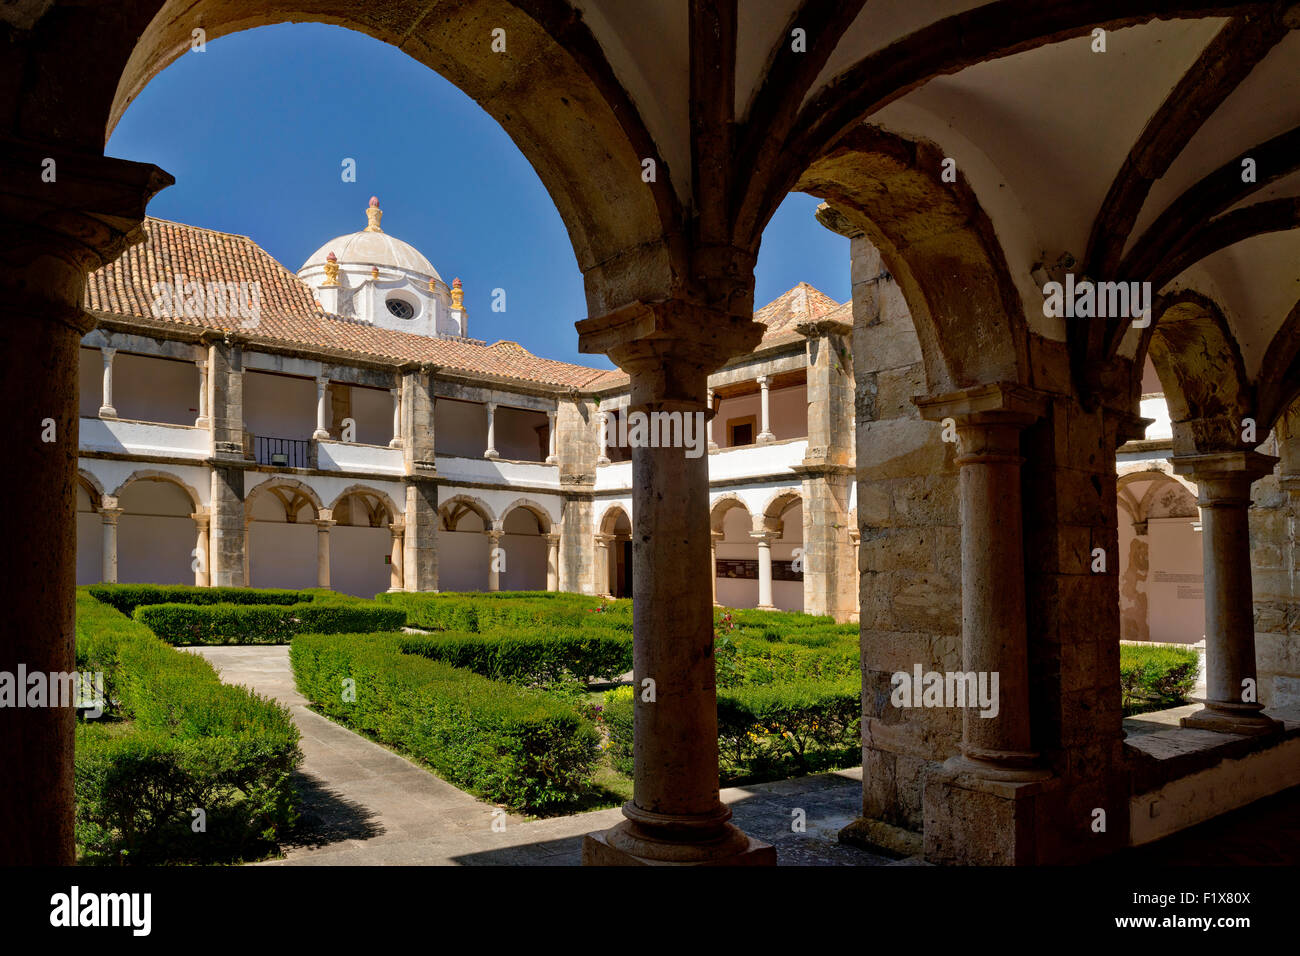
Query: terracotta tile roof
pixel 291 316
pixel 289 313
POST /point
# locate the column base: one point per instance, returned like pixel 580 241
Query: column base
pixel 765 607
pixel 552 460
pixel 765 438
pixel 602 460
pixel 627 845
pixel 491 453
pixel 395 443
pixel 319 435
pixel 202 423
pixel 1233 719
pixel 972 820
pixel 1003 766
pixel 107 411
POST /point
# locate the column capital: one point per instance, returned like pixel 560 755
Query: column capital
pixel 494 534
pixel 646 336
pixel 397 528
pixel 604 539
pixel 1000 403
pixel 202 520
pixel 763 380
pixel 1243 465
pixel 552 537
pixel 765 537
pixel 322 379
pixel 823 327
pixel 110 515
pixel 106 352
pixel 324 524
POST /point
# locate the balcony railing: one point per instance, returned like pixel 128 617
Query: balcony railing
pixel 282 452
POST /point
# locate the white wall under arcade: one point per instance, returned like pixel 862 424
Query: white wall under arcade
pixel 737 543
pixel 156 536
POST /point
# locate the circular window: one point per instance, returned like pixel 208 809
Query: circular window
pixel 400 308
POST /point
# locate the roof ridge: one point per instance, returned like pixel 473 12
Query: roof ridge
pixel 215 232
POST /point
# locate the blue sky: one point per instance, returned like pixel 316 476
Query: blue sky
pixel 255 130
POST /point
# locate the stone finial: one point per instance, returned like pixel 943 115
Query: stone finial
pixel 374 272
pixel 331 270
pixel 457 295
pixel 373 215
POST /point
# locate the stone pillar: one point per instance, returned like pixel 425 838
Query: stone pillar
pixel 674 816
pixel 420 537
pixel 228 528
pixel 711 412
pixel 988 421
pixel 322 408
pixel 395 582
pixel 764 540
pixel 203 421
pixel 602 423
pixel 396 441
pixel 54 234
pixel 552 562
pixel 494 542
pixel 202 573
pixel 714 538
pixel 604 569
pixel 106 409
pixel 323 525
pixel 1232 689
pixel 492 432
pixel 109 516
pixel 550 438
pixel 226 391
pixel 765 435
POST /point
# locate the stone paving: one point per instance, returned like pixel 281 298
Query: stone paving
pixel 365 805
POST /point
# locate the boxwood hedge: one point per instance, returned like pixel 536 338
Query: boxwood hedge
pixel 513 745
pixel 530 657
pixel 265 623
pixel 127 597
pixel 173 738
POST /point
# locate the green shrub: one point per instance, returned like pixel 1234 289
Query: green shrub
pixel 501 610
pixel 263 624
pixel 527 656
pixel 173 739
pixel 764 732
pixel 513 745
pixel 1156 677
pixel 127 597
pixel 745 661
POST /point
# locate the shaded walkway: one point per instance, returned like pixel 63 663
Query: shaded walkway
pixel 365 805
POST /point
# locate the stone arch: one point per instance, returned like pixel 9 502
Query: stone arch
pixel 1155 472
pixel 383 500
pixel 721 505
pixel 93 487
pixel 777 505
pixel 454 508
pixel 609 518
pixel 292 494
pixel 552 90
pixel 544 520
pixel 1202 373
pixel 152 474
pixel 939 245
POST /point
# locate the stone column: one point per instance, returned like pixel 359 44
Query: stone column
pixel 492 431
pixel 988 422
pixel 550 438
pixel 396 441
pixel 765 435
pixel 203 421
pixel 322 408
pixel 202 574
pixel 323 525
pixel 494 542
pixel 674 816
pixel 711 412
pixel 420 519
pixel 604 564
pixel 714 538
pixel 1224 480
pixel 602 423
pixel 395 582
pixel 106 409
pixel 552 562
pixel 54 234
pixel 764 540
pixel 109 516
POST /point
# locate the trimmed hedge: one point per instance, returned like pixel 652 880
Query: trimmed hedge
pixel 1153 678
pixel 127 597
pixel 513 745
pixel 744 662
pixel 174 738
pixel 528 656
pixel 263 624
pixel 799 727
pixel 474 612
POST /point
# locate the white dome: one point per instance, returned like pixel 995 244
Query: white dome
pixel 371 247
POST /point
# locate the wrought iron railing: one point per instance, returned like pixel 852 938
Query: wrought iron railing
pixel 282 452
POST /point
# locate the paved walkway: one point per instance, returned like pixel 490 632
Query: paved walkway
pixel 365 805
